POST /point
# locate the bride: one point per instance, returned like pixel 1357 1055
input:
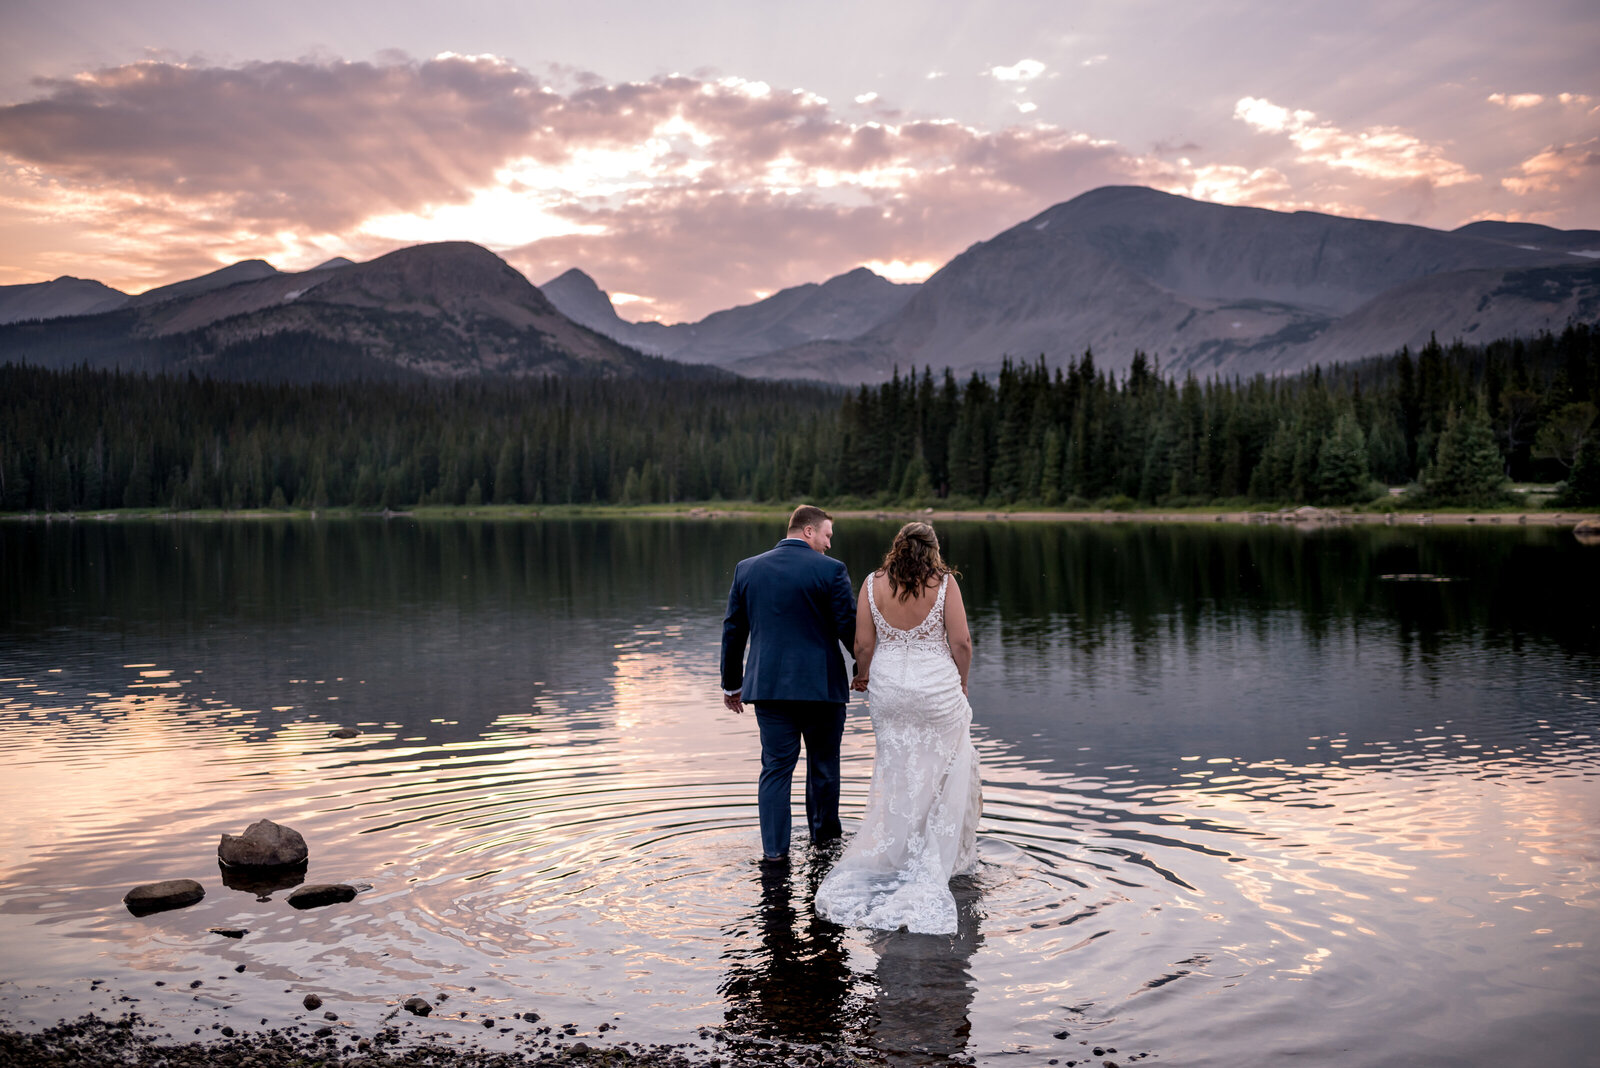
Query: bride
pixel 913 650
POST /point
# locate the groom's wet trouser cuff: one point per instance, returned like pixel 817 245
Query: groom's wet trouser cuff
pixel 784 725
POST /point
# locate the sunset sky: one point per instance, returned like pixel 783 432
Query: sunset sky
pixel 698 155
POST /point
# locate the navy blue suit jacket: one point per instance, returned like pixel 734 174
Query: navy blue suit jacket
pixel 793 606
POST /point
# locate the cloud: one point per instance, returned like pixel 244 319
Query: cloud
pixel 690 192
pixel 687 191
pixel 1255 187
pixel 1557 167
pixel 1523 101
pixel 1517 101
pixel 1024 70
pixel 1380 152
pixel 279 143
pixel 1226 183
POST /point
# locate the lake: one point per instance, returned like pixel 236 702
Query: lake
pixel 1247 794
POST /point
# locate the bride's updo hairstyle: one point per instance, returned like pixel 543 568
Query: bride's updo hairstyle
pixel 913 562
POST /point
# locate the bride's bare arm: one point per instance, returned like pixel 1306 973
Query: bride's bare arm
pixel 866 639
pixel 957 632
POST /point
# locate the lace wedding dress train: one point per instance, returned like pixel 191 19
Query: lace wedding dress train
pixel 921 822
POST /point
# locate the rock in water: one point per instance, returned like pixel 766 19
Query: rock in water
pixel 167 894
pixel 417 1006
pixel 344 732
pixel 263 882
pixel 319 894
pixel 264 844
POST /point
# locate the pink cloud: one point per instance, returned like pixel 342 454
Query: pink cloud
pixel 694 191
pixel 1558 166
pixel 1385 153
pixel 691 192
pixel 297 144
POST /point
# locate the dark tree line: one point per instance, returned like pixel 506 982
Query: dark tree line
pixel 86 439
pixel 1459 420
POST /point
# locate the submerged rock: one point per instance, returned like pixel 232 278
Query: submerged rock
pixel 344 732
pixel 158 897
pixel 417 1006
pixel 264 844
pixel 319 894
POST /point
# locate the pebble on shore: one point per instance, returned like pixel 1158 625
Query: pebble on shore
pixel 90 1042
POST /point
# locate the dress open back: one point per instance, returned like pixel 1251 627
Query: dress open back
pixel 921 823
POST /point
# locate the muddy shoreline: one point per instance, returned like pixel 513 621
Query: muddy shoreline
pixel 94 1041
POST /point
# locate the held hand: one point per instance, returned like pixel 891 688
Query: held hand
pixel 732 703
pixel 859 684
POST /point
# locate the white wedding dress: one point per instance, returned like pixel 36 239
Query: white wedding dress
pixel 921 822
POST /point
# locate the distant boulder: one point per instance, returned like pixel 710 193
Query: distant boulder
pixel 264 844
pixel 167 894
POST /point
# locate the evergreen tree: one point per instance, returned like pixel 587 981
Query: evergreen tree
pixel 1342 476
pixel 1468 469
pixel 506 478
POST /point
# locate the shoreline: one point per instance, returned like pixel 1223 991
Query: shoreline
pixel 1305 517
pixel 131 1040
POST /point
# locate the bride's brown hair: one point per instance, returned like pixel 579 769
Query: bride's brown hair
pixel 913 561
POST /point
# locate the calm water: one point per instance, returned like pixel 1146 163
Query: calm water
pixel 1244 797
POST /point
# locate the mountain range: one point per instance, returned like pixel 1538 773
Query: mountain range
pixel 442 310
pixel 843 307
pixel 1207 288
pixel 1212 288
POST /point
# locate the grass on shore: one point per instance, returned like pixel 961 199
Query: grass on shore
pixel 1533 503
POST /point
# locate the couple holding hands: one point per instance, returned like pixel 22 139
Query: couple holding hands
pixel 793 606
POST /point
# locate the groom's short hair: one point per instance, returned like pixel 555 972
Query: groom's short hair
pixel 807 515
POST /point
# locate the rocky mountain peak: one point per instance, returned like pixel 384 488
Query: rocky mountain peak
pixel 450 275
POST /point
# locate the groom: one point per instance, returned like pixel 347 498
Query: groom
pixel 793 605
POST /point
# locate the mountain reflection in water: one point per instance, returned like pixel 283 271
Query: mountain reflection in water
pixel 1244 798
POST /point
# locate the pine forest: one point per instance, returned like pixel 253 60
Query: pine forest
pixel 1457 424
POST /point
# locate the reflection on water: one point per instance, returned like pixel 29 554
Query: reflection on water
pixel 924 987
pixel 792 980
pixel 1244 798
